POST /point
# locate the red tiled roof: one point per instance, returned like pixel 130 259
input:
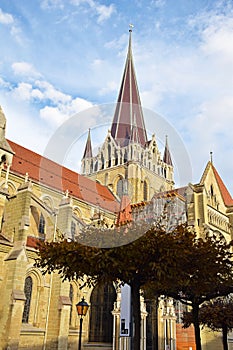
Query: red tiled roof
pixel 51 174
pixel 125 213
pixel 32 242
pixel 224 191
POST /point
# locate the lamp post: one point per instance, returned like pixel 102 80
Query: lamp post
pixel 82 308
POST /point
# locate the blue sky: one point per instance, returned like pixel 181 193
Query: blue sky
pixel 60 57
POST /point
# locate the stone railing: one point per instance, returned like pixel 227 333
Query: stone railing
pixel 218 220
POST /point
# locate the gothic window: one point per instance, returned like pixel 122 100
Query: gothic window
pixel 120 188
pixel 102 161
pixel 41 227
pixel 73 230
pixel 28 294
pixel 125 157
pixel 116 158
pixel 145 191
pixel 109 155
pixel 101 319
pixel 211 190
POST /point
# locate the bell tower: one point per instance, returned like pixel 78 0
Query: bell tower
pixel 128 162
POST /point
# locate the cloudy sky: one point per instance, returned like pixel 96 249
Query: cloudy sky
pixel 61 57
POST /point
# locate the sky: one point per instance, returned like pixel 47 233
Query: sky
pixel 60 58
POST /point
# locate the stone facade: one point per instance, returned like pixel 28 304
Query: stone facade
pixel 41 200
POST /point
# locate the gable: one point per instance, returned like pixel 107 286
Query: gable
pixel 214 186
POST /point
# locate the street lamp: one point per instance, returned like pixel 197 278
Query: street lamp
pixel 82 308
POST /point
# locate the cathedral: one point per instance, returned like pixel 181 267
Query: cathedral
pixel 129 178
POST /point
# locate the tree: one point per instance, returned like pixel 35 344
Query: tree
pixel 154 257
pixel 216 315
pixel 207 273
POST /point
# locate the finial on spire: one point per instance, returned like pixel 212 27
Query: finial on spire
pixel 211 156
pixel 131 27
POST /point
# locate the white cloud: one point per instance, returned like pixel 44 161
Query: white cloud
pixel 53 115
pixel 51 93
pixel 60 113
pixel 110 87
pixel 218 38
pixel 158 3
pixel 23 91
pixel 25 69
pixel 213 118
pixel 211 131
pixel 97 63
pixel 4 84
pixel 104 12
pixel 6 18
pixel 40 90
pixel 47 4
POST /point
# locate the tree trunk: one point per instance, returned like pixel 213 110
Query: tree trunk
pixel 136 329
pixel 224 337
pixel 195 312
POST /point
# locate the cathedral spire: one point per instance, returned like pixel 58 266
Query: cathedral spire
pixel 167 156
pixel 128 113
pixel 88 148
pixel 134 137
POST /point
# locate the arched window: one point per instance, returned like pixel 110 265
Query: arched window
pixel 116 158
pixel 145 191
pixel 101 320
pixel 96 166
pixel 28 295
pixel 120 188
pixel 211 190
pixel 109 155
pixel 41 227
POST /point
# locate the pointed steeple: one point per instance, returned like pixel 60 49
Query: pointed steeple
pixel 134 137
pixel 167 156
pixel 128 106
pixel 88 148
